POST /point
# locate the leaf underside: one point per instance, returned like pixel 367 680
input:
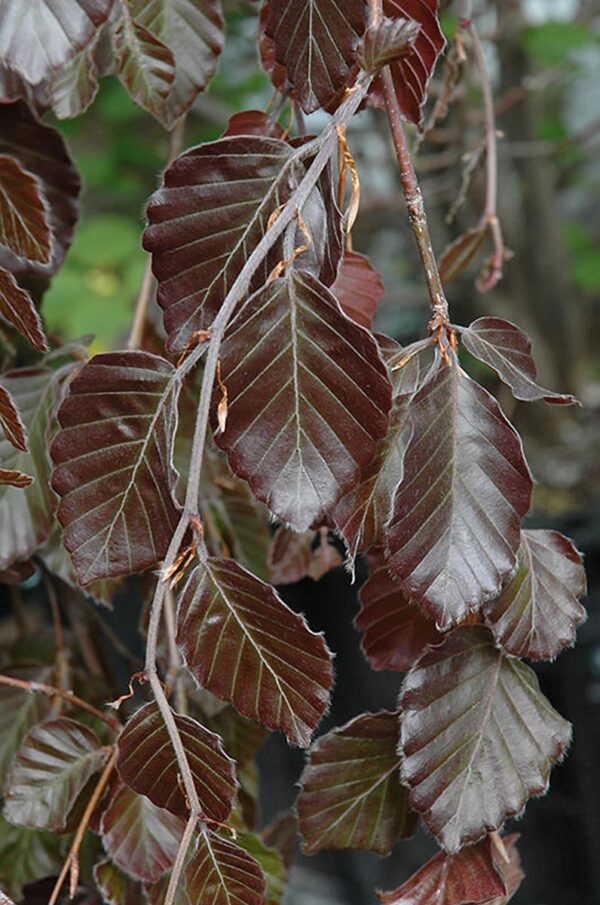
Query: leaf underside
pixel 358 288
pixel 23 226
pixel 221 873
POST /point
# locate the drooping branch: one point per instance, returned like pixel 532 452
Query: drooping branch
pixel 52 691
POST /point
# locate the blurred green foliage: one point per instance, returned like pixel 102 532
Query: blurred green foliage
pixel 553 42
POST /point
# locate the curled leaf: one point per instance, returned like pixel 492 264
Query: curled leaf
pixel 459 253
pixel 386 42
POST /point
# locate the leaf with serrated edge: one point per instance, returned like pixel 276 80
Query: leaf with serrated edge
pixel 51 767
pixel 455 527
pixel 292 557
pixel 10 421
pixel 23 225
pixel 302 445
pixel 18 310
pixel 19 712
pixel 505 348
pixel 478 737
pixel 113 464
pixel 358 288
pixel 145 65
pixel 538 611
pixel 213 208
pixel 115 886
pixel 221 873
pixel 386 42
pixel 140 838
pixel 351 796
pixel 243 644
pixel 147 763
pixel 253 122
pixel 271 862
pixel 394 630
pixel 510 870
pixel 467 878
pixel 315 42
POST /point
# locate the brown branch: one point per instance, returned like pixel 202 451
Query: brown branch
pixel 52 691
pixel 61 662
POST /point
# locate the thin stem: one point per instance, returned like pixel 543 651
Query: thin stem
pixel 53 691
pixel 61 662
pixel 173 678
pixel 180 857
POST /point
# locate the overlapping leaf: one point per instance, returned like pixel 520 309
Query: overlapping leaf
pixel 507 350
pixel 358 288
pixel 221 873
pixel 253 122
pixel 147 763
pixel 459 254
pixel 538 611
pixel 308 399
pixel 18 310
pixel 41 151
pixel 28 855
pixel 19 712
pixel 478 737
pixel 455 526
pixel 10 421
pixel 467 878
pixel 351 795
pixel 42 35
pixel 146 66
pixel 140 838
pixel 26 515
pixel 213 209
pixel 244 645
pixel 115 886
pixel 386 42
pixel 113 468
pixel 23 225
pixel 52 766
pixel 271 863
pixel 73 89
pixel 315 42
pixel 394 630
pixel 294 556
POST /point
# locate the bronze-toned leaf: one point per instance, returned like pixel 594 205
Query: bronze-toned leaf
pixel 271 863
pixel 145 65
pixel 28 855
pixel 115 886
pixel 455 527
pixel 113 464
pixel 221 873
pixel 147 763
pixel 478 737
pixel 358 288
pixel 10 421
pixel 294 556
pixel 538 611
pixel 243 644
pixel 351 796
pixel 20 711
pixel 386 42
pixel 18 310
pixel 253 122
pixel 308 398
pixel 459 253
pixel 23 225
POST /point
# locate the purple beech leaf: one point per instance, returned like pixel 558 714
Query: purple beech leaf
pixel 115 886
pixel 315 43
pixel 394 630
pixel 241 738
pixel 511 872
pixel 43 35
pixel 145 65
pixel 253 122
pixel 20 711
pixel 10 421
pixel 18 310
pixel 280 834
pixel 292 557
pixel 213 209
pixel 148 764
pixel 478 737
pixel 387 42
pixel 406 377
pixel 21 136
pixel 308 399
pixel 74 87
pixel 459 253
pixel 192 30
pixel 26 516
pixel 57 560
pixel 412 72
pixel 455 526
pixel 15 478
pixel 138 837
pixel 350 791
pixel 266 50
pixel 222 873
pixel 28 855
pixel 467 878
pixel 52 766
pixel 243 644
pixel 538 611
pixel 113 464
pixel 506 349
pixel 271 863
pixel 358 288
pixel 23 225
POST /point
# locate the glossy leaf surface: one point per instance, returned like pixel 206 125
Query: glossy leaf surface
pixel 221 873
pixel 358 288
pixel 351 795
pixel 52 766
pixel 244 645
pixel 506 349
pixel 538 611
pixel 294 556
pixel 468 761
pixel 19 712
pixel 23 225
pixel 303 445
pixel 18 310
pixel 147 763
pixel 113 464
pixel 386 42
pixel 146 66
pixel 271 863
pixel 455 527
pixel 26 856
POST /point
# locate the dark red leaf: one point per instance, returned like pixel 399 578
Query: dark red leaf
pixel 455 527
pixel 10 420
pixel 358 288
pixel 459 254
pixel 214 208
pixel 294 556
pixel 395 631
pixel 115 886
pixel 18 310
pixel 351 796
pixel 15 478
pixel 268 58
pixel 140 838
pixel 301 447
pixel 51 767
pixel 22 136
pixel 221 873
pixel 36 41
pixel 478 737
pixel 20 711
pixel 467 878
pixel 23 225
pixel 147 763
pixel 113 464
pixel 243 644
pixel 145 65
pixel 538 612
pixel 507 350
pixel 509 870
pixel 387 42
pixel 280 835
pixel 315 42
pixel 253 122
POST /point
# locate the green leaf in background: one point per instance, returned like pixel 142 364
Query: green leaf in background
pixel 553 42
